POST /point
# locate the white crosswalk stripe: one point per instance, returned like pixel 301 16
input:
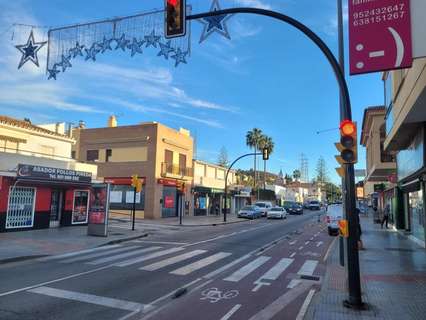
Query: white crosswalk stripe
pixel 75 253
pixel 172 260
pixel 307 269
pixel 147 257
pixel 98 254
pixel 200 263
pixel 273 273
pixel 123 255
pixel 247 269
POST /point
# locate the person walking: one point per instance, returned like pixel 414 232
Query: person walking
pixel 216 208
pixel 386 214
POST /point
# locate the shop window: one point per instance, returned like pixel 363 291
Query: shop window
pixel 92 155
pixel 108 155
pixel 20 211
pixel 73 154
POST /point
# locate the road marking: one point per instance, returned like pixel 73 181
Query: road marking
pixel 308 268
pixel 279 304
pixel 304 308
pixel 71 254
pixel 272 274
pixel 300 248
pixel 200 264
pixel 89 298
pixel 161 242
pixel 98 254
pixel 122 255
pixel 319 243
pixel 147 257
pixel 293 283
pixel 231 312
pixel 293 254
pixel 226 267
pixel 172 260
pixel 306 243
pixel 311 239
pixel 329 249
pixel 248 268
pixel 292 242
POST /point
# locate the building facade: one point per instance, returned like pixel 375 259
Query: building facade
pixel 405 100
pixel 159 155
pixel 40 185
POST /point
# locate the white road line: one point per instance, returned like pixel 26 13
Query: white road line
pixel 293 254
pixel 147 257
pixel 226 267
pixel 293 283
pixel 247 269
pixel 273 273
pixel 89 298
pixel 292 242
pixel 172 260
pixel 308 268
pixel 72 254
pixel 231 312
pixel 161 242
pixel 306 243
pixel 300 248
pixel 319 243
pixel 122 255
pixel 98 254
pixel 329 249
pixel 304 308
pixel 200 264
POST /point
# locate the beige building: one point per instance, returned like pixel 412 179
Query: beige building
pixel 161 156
pixel 40 183
pixel 405 101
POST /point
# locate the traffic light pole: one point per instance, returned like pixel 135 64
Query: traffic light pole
pixel 134 209
pixel 354 300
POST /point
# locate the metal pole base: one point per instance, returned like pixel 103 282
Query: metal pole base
pixel 355 306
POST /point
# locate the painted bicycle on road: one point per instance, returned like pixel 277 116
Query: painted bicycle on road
pixel 214 295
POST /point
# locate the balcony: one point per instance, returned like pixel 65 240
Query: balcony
pixel 173 171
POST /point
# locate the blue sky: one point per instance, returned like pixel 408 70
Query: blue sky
pixel 267 76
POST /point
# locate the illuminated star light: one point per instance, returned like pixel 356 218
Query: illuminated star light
pixel 152 39
pixel 53 72
pixel 91 53
pixel 179 56
pixel 105 45
pixel 136 46
pixel 165 49
pixel 215 23
pixel 29 50
pixel 77 50
pixel 65 63
pixel 122 43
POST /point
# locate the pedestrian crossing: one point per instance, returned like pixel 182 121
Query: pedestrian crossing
pixel 182 261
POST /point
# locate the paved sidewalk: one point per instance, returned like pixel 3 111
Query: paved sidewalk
pixel 393 279
pixel 24 245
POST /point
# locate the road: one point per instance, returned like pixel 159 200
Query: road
pixel 262 269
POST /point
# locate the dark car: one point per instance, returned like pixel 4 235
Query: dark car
pixel 295 208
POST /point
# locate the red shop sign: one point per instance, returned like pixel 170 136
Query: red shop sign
pixel 169 202
pixel 121 180
pixel 379 35
pixel 167 182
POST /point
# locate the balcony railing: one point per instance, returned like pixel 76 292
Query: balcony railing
pixel 168 169
pixel 35 154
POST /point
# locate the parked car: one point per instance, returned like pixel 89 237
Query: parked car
pixel 264 206
pixel 277 213
pixel 334 214
pixel 250 212
pixel 314 205
pixel 288 204
pixel 295 208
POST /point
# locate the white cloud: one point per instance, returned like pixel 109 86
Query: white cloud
pixel 255 4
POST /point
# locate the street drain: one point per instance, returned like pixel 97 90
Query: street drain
pixel 179 293
pixel 306 277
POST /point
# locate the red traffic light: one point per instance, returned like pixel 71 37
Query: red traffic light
pixel 347 127
pixel 175 17
pixel 172 2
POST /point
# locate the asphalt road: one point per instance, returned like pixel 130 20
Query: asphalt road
pixel 262 269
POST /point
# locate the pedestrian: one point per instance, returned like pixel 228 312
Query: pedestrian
pixel 216 209
pixel 385 219
pixel 359 233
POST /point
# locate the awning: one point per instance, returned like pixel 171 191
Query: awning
pixel 53 183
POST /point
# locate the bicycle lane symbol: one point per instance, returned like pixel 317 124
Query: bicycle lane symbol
pixel 214 295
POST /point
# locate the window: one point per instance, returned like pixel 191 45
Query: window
pixel 92 155
pixel 182 164
pixel 73 154
pixel 108 155
pixel 20 209
pixel 168 157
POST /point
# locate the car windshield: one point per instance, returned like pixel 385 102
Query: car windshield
pixel 314 202
pixel 276 209
pixel 262 205
pixel 289 203
pixel 248 208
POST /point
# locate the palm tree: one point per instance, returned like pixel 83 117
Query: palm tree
pixel 296 174
pixel 266 142
pixel 253 138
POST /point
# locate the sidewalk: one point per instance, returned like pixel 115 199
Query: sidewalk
pixel 24 245
pixel 393 279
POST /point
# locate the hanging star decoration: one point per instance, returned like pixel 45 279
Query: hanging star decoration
pixel 53 72
pixel 29 50
pixel 215 23
pixel 65 63
pixel 105 45
pixel 91 53
pixel 122 43
pixel 152 39
pixel 165 49
pixel 179 56
pixel 136 46
pixel 77 50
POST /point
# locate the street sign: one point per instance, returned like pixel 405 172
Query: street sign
pixel 379 35
pixel 418 27
pixel 343 228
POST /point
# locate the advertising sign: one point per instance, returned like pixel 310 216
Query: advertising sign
pixel 379 35
pixel 80 207
pixel 98 210
pixel 26 171
pixel 169 202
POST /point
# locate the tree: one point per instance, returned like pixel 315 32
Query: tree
pixel 296 174
pixel 222 159
pixel 288 178
pixel 252 141
pixel 268 143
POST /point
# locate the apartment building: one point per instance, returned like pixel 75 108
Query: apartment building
pixel 159 155
pixel 405 101
pixel 40 185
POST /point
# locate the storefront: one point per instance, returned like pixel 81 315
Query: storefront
pixel 37 197
pixel 209 201
pixel 173 197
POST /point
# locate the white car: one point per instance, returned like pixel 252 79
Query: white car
pixel 264 207
pixel 334 214
pixel 276 213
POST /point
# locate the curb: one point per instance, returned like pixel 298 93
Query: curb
pixel 21 258
pixel 210 224
pixel 123 240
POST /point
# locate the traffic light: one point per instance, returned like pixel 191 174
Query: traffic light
pixel 139 186
pixel 265 154
pixel 135 180
pixel 348 142
pixel 175 22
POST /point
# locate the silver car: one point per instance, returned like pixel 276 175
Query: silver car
pixel 276 213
